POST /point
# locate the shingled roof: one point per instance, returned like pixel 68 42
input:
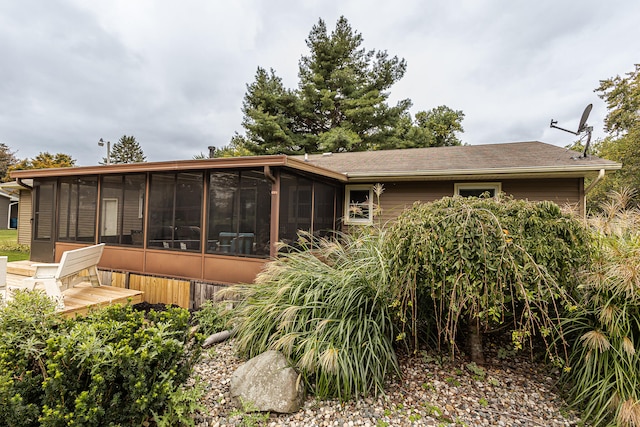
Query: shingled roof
pixel 532 158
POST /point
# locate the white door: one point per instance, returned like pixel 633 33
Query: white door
pixel 109 217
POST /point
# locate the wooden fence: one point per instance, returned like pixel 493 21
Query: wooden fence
pixel 164 290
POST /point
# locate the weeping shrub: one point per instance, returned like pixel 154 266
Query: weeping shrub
pixel 603 377
pixel 325 305
pixel 484 262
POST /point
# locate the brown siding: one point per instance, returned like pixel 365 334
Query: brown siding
pixel 564 192
pixel 123 258
pixel 401 195
pixel 229 270
pixel 24 217
pixel 174 264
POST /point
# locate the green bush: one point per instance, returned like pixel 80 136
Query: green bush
pixel 112 367
pixel 603 376
pixel 212 317
pixel 485 263
pixel 325 305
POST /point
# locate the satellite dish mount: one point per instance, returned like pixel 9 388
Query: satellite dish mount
pixel 583 128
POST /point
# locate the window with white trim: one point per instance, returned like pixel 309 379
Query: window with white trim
pixel 358 204
pixel 477 189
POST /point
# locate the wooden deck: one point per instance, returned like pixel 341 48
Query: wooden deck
pixel 81 298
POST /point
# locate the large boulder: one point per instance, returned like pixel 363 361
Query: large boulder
pixel 267 383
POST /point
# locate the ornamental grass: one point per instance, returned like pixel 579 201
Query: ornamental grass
pixel 324 303
pixel 603 376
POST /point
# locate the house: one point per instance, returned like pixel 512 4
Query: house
pixel 213 222
pixel 19 208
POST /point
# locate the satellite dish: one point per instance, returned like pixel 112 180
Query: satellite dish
pixel 585 116
pixel 582 127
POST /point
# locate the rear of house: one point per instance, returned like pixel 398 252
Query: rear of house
pixel 180 230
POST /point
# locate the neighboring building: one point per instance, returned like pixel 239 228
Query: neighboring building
pixel 19 209
pixel 8 211
pixel 217 221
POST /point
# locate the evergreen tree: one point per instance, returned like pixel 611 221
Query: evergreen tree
pixel 339 105
pixel 126 150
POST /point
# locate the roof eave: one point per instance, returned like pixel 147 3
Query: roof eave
pixel 490 173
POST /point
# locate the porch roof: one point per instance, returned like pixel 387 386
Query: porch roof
pixel 185 165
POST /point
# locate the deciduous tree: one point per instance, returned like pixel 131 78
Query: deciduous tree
pixel 622 95
pixel 44 160
pixel 7 159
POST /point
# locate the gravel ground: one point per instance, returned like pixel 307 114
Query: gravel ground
pixel 511 392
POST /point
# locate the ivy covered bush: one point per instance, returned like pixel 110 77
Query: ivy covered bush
pixel 484 263
pixel 112 367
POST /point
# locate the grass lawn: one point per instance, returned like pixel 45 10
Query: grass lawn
pixel 9 246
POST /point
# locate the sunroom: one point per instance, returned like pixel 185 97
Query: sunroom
pixel 215 220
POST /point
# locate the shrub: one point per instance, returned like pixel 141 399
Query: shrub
pixel 484 262
pixel 603 377
pixel 212 317
pixel 23 337
pixel 113 367
pixel 324 305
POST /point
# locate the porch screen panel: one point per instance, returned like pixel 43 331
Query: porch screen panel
pixel 161 205
pixel 175 210
pixel 43 209
pixel 295 206
pixel 324 209
pixel 122 209
pixel 239 213
pixel 188 212
pixel 77 209
pixel 87 203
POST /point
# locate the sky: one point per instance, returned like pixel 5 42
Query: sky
pixel 174 73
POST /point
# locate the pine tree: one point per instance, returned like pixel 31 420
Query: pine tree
pixel 126 150
pixel 339 105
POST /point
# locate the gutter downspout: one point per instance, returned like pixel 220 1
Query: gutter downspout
pixel 595 181
pixel 22 184
pixel 588 189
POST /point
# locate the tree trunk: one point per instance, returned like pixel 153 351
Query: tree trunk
pixel 475 340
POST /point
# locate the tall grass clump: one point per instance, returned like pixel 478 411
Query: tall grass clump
pixel 325 305
pixel 604 327
pixel 473 265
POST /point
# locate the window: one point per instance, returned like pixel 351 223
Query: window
pixel 175 211
pixel 239 213
pixel 359 204
pixel 121 209
pixel 77 209
pixel 477 189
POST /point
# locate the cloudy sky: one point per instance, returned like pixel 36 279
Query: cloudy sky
pixel 174 73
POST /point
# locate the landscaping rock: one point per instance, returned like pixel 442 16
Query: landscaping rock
pixel 267 383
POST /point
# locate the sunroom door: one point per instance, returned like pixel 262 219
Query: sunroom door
pixel 43 232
